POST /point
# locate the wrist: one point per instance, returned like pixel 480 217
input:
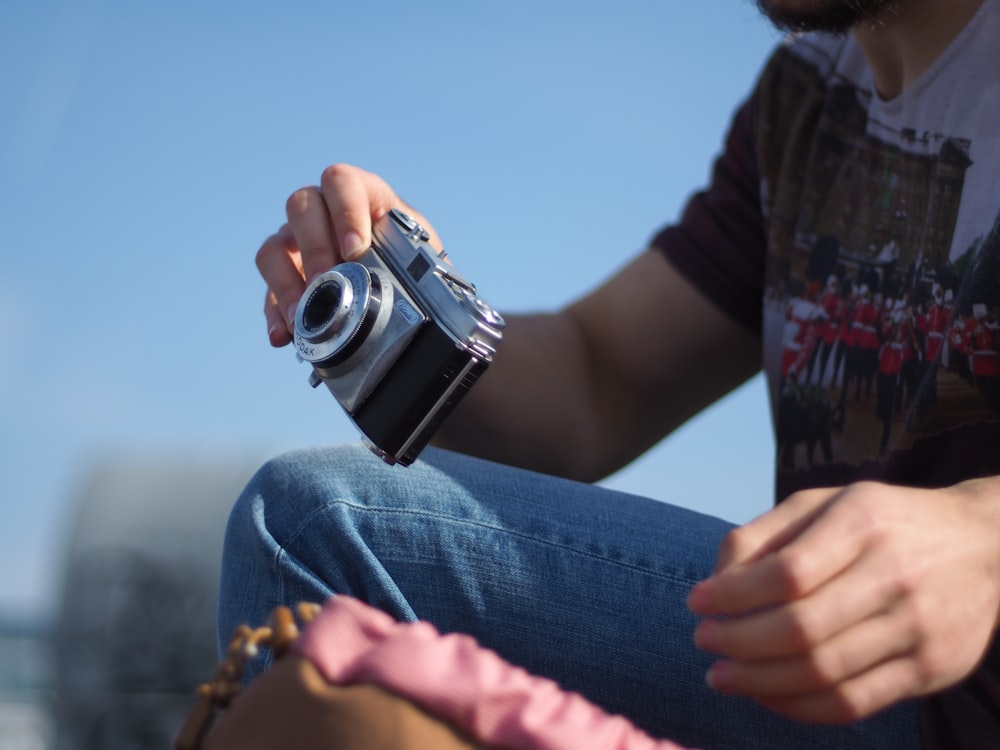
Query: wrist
pixel 981 499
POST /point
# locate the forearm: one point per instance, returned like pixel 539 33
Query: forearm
pixel 528 409
pixel 582 392
pixel 577 393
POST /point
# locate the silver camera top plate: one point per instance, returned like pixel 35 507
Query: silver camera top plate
pixel 404 246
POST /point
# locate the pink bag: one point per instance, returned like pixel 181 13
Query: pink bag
pixel 453 677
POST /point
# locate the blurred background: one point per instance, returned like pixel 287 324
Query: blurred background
pixel 146 150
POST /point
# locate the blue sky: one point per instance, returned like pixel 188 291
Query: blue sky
pixel 146 149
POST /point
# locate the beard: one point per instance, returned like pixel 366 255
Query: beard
pixel 830 16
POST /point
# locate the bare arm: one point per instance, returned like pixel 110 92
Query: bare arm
pixel 583 391
pixel 579 392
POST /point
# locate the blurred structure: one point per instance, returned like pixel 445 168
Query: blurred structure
pixel 136 628
pixel 25 686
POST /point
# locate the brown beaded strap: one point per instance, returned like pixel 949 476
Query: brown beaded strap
pixel 215 696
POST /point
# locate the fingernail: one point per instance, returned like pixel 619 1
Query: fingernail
pixel 352 246
pixel 290 315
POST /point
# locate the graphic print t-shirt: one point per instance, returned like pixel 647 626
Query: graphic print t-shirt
pixel 881 319
pixel 871 230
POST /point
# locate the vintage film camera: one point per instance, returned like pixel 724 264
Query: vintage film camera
pixel 398 337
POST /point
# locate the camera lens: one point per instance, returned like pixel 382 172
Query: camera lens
pixel 332 312
pixel 322 306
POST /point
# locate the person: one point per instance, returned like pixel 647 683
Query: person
pixel 861 610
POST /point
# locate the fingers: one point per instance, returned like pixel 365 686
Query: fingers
pixel 835 607
pixel 784 576
pixel 350 204
pixel 280 264
pixel 309 222
pixel 803 623
pixel 327 224
pixel 821 536
pixel 836 661
pixel 821 662
pixel 851 700
pixel 771 530
pixel 356 199
pixel 279 331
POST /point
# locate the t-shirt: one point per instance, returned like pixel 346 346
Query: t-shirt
pixel 861 238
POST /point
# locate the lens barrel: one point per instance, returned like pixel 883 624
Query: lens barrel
pixel 326 308
pixel 335 313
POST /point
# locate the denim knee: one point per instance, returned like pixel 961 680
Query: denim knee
pixel 297 480
pixel 275 506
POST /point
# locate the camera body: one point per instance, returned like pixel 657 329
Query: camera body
pixel 398 337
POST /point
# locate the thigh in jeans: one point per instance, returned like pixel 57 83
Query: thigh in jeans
pixel 571 581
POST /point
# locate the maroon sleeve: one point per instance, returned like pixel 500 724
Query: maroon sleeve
pixel 720 243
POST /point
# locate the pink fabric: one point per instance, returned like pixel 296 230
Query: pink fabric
pixel 453 677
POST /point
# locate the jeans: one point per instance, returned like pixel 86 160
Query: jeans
pixel 575 582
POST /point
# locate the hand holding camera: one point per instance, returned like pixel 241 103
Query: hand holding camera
pixel 397 335
pixel 327 224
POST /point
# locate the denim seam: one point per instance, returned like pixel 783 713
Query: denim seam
pixel 460 521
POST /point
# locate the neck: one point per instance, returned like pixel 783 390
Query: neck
pixel 905 42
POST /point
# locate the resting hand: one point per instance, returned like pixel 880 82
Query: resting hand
pixel 840 602
pixel 292 707
pixel 327 224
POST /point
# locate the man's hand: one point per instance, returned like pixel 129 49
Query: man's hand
pixel 840 602
pixel 576 392
pixel 327 224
